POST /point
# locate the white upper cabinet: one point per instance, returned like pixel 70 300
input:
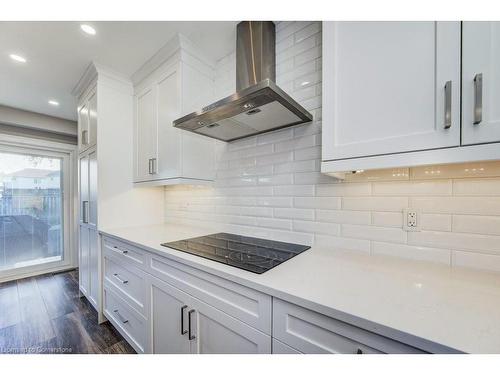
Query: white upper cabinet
pixel 145 137
pixel 390 87
pixel 87 121
pixel 173 83
pixel 480 82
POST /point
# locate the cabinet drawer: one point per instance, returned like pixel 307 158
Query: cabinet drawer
pixel 128 254
pixel 129 281
pixel 311 332
pixel 245 304
pixel 280 348
pixel 132 325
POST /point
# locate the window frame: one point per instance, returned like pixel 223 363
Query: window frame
pixel 67 154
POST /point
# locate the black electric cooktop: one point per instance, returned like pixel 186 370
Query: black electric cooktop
pixel 248 253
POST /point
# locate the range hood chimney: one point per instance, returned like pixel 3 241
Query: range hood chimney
pixel 259 105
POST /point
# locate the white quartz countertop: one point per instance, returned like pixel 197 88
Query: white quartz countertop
pixel 430 306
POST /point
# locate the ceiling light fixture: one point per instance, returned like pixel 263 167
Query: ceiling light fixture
pixel 17 58
pixel 88 29
pixel 54 102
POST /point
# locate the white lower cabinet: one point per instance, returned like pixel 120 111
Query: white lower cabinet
pixel 184 324
pixel 163 306
pixel 280 348
pixel 131 324
pixel 313 333
pixel 169 319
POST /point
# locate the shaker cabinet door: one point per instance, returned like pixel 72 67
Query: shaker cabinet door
pixel 145 134
pixel 480 82
pixel 83 127
pixel 83 259
pixel 92 128
pixel 169 319
pixel 390 87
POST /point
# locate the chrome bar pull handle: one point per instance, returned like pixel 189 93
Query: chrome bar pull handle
pixel 191 336
pixel 149 166
pixel 124 321
pixel 153 166
pixel 120 279
pixel 478 98
pixel 85 212
pixel 183 331
pixel 85 137
pixel 447 105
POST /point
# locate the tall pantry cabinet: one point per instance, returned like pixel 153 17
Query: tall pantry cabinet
pixel 88 254
pixel 107 197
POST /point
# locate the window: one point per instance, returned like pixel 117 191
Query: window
pixel 31 210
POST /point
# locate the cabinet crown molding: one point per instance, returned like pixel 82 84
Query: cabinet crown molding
pixel 178 44
pixel 90 75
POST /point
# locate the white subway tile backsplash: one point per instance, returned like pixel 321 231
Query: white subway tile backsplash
pixel 311 153
pixel 457 205
pixel 275 201
pixel 342 243
pixel 297 166
pixel 270 185
pixel 297 143
pixel 274 223
pixel 343 189
pixel 477 224
pixel 276 179
pixel 374 203
pixel 410 188
pixel 294 190
pixel 436 222
pixel 387 219
pixel 316 227
pixel 294 213
pixel 343 217
pixel 456 241
pixel 374 233
pixel 311 178
pixel 477 187
pixel 332 203
pixel 412 252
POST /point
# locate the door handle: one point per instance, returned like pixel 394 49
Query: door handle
pixel 153 166
pixel 183 331
pixel 85 214
pixel 447 105
pixel 120 279
pixel 85 137
pixel 149 166
pixel 191 336
pixel 478 98
pixel 124 321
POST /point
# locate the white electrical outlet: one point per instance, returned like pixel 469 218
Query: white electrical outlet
pixel 411 221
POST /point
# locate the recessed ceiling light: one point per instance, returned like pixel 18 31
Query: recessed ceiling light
pixel 17 58
pixel 54 102
pixel 88 29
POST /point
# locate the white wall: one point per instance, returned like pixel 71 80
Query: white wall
pixel 270 185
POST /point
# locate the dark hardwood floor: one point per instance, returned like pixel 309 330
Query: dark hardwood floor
pixel 44 314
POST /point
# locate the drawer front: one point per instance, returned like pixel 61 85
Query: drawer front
pixel 311 332
pixel 129 281
pixel 128 322
pixel 245 304
pixel 280 348
pixel 125 252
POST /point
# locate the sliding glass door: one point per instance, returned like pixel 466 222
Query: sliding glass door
pixel 32 210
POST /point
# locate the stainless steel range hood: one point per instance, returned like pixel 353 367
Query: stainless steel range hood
pixel 259 105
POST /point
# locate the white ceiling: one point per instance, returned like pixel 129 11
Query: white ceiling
pixel 57 54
